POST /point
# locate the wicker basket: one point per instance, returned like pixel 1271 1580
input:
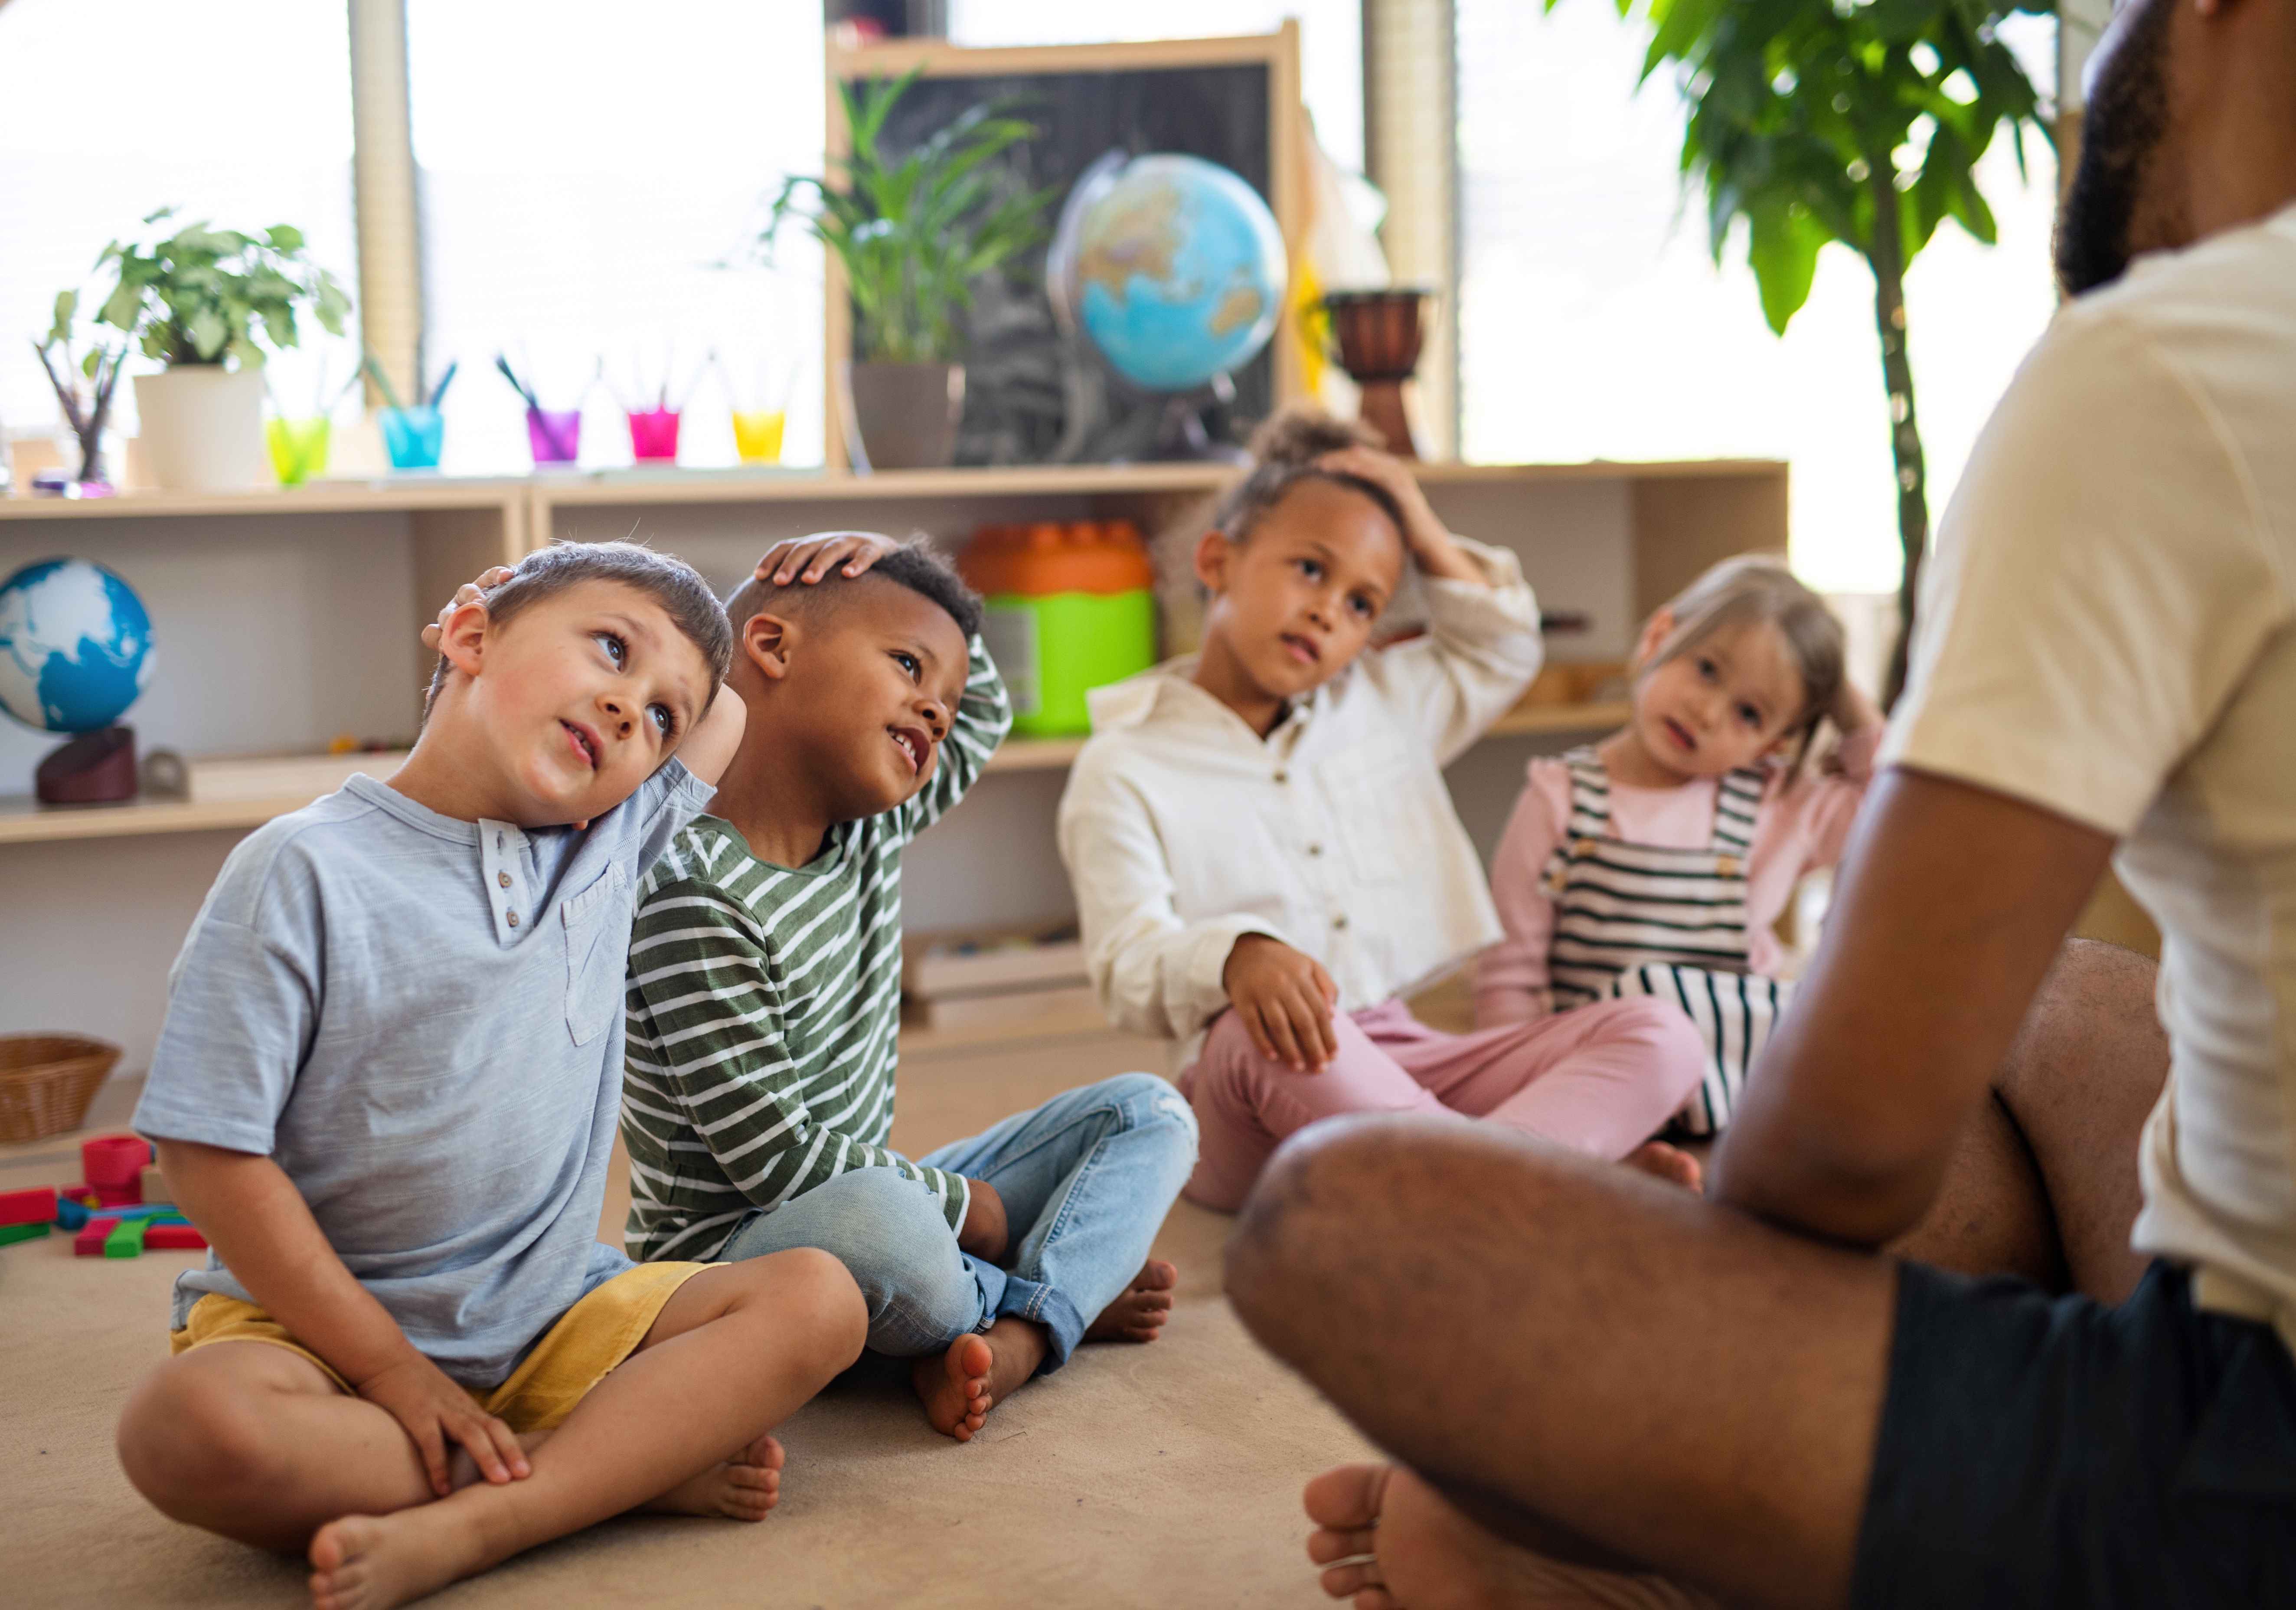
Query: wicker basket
pixel 46 1082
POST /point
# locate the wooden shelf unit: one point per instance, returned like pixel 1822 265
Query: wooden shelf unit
pixel 24 822
pixel 1680 517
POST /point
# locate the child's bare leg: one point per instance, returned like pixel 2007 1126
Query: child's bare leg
pixel 261 1445
pixel 959 1387
pixel 737 1349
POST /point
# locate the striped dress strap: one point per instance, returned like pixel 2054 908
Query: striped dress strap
pixel 1590 795
pixel 1735 804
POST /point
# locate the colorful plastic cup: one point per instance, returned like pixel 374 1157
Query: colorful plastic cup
pixel 555 434
pixel 653 436
pixel 411 437
pixel 299 448
pixel 758 434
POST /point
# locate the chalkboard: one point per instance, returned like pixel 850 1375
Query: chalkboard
pixel 1033 395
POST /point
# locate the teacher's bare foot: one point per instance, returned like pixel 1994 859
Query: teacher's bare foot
pixel 1668 1163
pixel 1391 1542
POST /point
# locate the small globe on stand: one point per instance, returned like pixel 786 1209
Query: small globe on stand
pixel 75 652
pixel 1174 270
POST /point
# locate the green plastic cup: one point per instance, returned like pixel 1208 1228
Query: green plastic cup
pixel 299 448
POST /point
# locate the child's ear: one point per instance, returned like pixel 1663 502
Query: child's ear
pixel 766 639
pixel 462 639
pixel 1214 553
pixel 1656 630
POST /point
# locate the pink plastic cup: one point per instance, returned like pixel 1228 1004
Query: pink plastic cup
pixel 653 436
pixel 555 434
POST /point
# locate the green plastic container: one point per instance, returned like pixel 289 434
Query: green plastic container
pixel 1066 608
pixel 1053 650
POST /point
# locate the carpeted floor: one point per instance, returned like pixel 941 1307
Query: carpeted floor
pixel 1158 1475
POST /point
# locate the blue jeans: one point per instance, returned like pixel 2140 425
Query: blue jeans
pixel 1085 1179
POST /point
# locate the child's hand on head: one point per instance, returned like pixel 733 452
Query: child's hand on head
pixel 1284 1000
pixel 808 559
pixel 1430 540
pixel 470 592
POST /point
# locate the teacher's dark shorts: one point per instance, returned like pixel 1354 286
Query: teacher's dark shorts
pixel 2050 1451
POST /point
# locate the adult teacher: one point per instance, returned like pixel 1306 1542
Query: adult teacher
pixel 1748 1394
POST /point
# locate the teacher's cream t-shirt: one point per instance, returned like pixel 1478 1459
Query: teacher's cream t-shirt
pixel 2109 631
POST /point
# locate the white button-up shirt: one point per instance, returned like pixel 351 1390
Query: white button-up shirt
pixel 1184 830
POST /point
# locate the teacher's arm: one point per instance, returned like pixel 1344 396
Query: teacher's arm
pixel 1951 907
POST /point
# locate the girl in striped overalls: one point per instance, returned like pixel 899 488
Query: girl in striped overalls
pixel 1657 862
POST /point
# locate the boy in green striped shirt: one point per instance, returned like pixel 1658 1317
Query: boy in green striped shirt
pixel 765 1007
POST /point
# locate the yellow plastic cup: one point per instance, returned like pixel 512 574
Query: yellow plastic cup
pixel 299 448
pixel 758 434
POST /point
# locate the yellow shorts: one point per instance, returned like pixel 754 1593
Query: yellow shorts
pixel 573 1356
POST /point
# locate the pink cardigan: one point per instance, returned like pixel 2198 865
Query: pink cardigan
pixel 1799 825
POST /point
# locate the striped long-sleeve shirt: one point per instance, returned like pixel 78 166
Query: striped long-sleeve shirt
pixel 765 1011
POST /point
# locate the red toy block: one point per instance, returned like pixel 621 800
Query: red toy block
pixel 37 1206
pixel 89 1242
pixel 173 1239
pixel 116 1160
pixel 119 1195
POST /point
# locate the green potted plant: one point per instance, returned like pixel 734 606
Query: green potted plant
pixel 1862 124
pixel 204 302
pixel 913 233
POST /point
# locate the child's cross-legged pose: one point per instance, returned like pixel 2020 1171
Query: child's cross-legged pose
pixel 765 1008
pixel 386 1087
pixel 1262 844
pixel 1657 863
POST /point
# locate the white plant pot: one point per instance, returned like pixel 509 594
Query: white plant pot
pixel 202 428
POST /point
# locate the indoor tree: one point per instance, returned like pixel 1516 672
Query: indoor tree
pixel 1860 121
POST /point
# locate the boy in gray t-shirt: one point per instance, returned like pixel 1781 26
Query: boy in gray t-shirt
pixel 386 1089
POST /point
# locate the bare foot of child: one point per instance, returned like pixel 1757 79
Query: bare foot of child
pixel 962 1385
pixel 953 1387
pixel 1671 1164
pixel 1140 1309
pixel 373 1562
pixel 744 1488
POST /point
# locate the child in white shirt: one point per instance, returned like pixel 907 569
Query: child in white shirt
pixel 1657 863
pixel 1266 858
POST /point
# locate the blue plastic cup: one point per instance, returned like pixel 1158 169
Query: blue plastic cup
pixel 411 437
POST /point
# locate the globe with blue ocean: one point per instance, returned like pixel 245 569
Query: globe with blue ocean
pixel 1172 265
pixel 75 646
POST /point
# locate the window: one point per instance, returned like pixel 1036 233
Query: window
pixel 1593 324
pixel 1330 43
pixel 113 109
pixel 583 170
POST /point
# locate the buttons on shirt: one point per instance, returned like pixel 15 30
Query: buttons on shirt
pixel 1314 849
pixel 1339 921
pixel 1284 776
pixel 507 879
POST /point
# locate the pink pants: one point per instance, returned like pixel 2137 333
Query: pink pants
pixel 1601 1079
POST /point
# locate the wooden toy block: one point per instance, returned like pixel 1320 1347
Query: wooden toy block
pixel 126 1239
pixel 115 1161
pixel 173 1239
pixel 89 1242
pixel 10 1233
pixel 155 1184
pixel 70 1215
pixel 38 1206
pixel 118 1195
